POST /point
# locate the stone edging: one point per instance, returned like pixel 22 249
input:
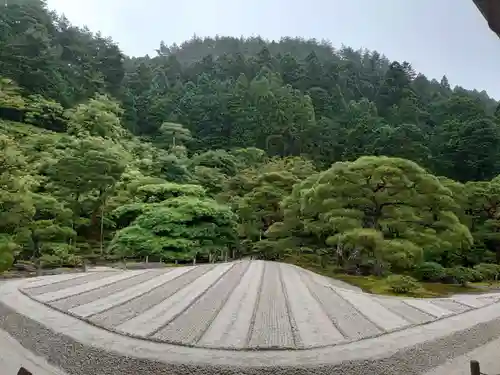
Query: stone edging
pixel 82 349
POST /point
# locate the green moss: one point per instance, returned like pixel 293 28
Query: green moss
pixel 20 129
pixel 378 285
pixel 439 289
pixel 486 286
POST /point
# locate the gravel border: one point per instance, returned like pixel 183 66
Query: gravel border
pixel 78 359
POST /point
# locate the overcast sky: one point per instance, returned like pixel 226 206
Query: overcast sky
pixel 436 36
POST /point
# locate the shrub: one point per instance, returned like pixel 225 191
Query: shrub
pixel 402 284
pixel 488 271
pixel 7 249
pixel 6 261
pixel 475 275
pixel 430 271
pixel 460 275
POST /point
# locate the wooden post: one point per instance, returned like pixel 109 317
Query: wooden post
pixel 39 268
pixel 475 368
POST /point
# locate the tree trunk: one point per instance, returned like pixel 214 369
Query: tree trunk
pixel 147 258
pixel 76 214
pixel 194 261
pixel 38 267
pixel 101 234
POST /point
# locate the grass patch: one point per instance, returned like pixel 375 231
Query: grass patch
pixel 440 290
pixel 487 284
pixel 378 285
pixel 175 265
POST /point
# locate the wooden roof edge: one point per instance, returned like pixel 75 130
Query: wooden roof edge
pixel 490 9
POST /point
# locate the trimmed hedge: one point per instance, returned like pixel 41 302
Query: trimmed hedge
pixel 430 271
pixel 402 284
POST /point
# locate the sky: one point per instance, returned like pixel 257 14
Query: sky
pixel 437 37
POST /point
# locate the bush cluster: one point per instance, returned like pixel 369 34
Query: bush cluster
pixel 402 284
pixel 434 272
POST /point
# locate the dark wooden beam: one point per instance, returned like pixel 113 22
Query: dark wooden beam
pixel 23 371
pixel 491 12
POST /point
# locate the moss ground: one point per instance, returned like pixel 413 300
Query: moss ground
pixel 378 285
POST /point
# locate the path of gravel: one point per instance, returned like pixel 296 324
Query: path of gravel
pixel 125 286
pixel 190 326
pixel 305 324
pixel 271 326
pixel 121 312
pixel 231 326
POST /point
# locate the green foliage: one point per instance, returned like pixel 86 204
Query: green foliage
pixel 483 208
pixel 461 275
pixel 384 210
pixel 280 150
pixel 430 271
pixel 178 228
pixel 488 271
pixel 46 233
pixel 401 284
pixel 46 114
pixel 154 193
pixel 47 55
pixel 172 135
pixel 90 166
pixel 7 249
pixel 212 179
pixel 217 159
pixel 100 117
pixel 10 95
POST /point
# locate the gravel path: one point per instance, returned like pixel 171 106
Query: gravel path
pixel 125 311
pixel 103 281
pixel 230 327
pixel 40 281
pixel 374 311
pixel 314 325
pixel 190 326
pixel 126 286
pixel 13 356
pixel 487 355
pixel 411 314
pixel 452 306
pixel 103 299
pixel 469 300
pixel 77 279
pixel 251 308
pixel 271 327
pixel 429 307
pixel 162 313
pixel 244 305
pixel 346 317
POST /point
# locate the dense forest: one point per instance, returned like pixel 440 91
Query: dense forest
pixel 223 148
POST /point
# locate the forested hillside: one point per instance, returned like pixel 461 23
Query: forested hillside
pixel 222 148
